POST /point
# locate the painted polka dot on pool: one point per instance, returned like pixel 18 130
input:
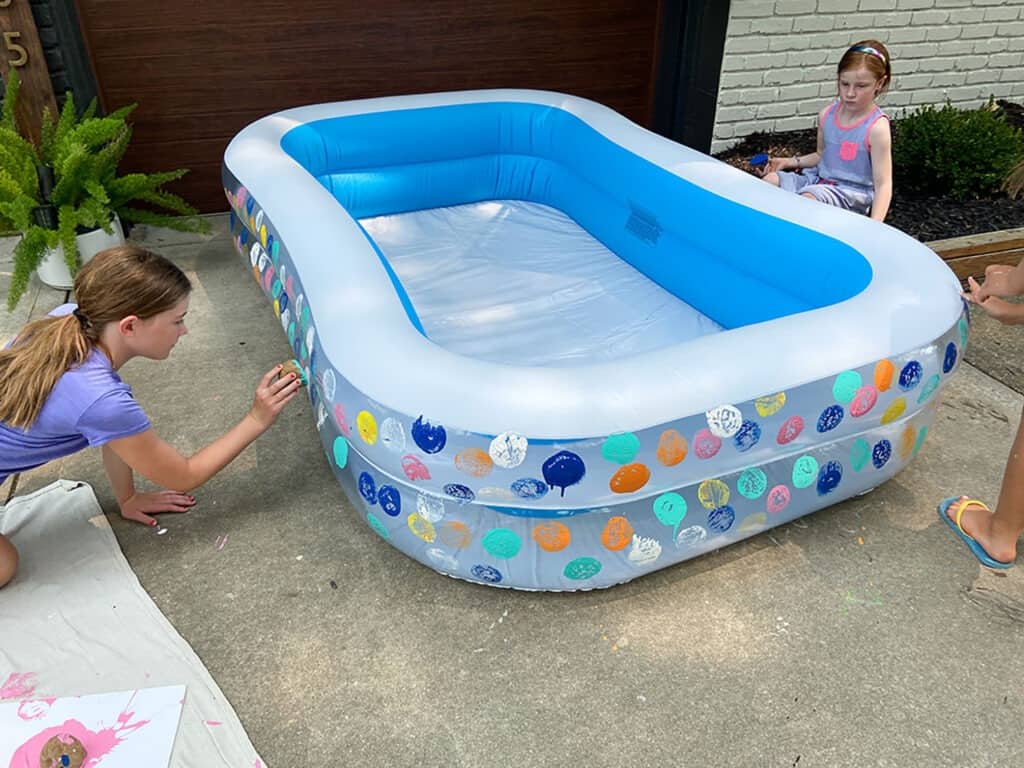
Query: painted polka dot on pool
pixel 582 568
pixel 552 537
pixel 670 509
pixel 769 405
pixel 672 448
pixel 713 493
pixel 805 471
pixel 431 438
pixel 706 445
pixel 620 448
pixel 617 534
pixel 501 542
pixel 487 573
pixel 630 478
pixel 845 386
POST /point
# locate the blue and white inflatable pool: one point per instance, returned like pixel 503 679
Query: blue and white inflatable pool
pixel 549 349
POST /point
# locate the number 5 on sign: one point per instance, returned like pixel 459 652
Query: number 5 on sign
pixel 20 54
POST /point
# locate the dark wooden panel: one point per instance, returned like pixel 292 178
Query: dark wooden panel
pixel 201 71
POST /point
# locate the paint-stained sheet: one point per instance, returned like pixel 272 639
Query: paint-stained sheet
pixel 521 283
pixel 75 621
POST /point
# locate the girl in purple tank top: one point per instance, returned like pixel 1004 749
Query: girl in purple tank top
pixel 852 167
pixel 61 392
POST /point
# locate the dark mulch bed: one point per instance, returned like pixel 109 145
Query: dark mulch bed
pixel 927 218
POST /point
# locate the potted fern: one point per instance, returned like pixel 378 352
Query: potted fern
pixel 65 196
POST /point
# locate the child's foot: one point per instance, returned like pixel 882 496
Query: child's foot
pixel 976 521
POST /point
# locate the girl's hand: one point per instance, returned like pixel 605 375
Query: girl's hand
pixel 776 164
pixel 997 283
pixel 1003 311
pixel 139 506
pixel 271 396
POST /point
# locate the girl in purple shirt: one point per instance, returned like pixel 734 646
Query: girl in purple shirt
pixel 61 391
pixel 852 167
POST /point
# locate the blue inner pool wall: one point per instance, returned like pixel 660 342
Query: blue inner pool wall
pixel 735 264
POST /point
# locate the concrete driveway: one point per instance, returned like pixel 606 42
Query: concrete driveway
pixel 862 635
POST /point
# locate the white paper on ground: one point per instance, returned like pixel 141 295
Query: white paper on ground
pixel 76 621
pixel 117 730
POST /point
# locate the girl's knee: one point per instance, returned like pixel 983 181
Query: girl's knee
pixel 8 560
pixel 808 195
pixel 772 178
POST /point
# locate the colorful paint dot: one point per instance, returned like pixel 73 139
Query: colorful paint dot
pixel 713 493
pixel 367 427
pixel 367 488
pixel 752 483
pixel 769 405
pixel 884 371
pixel 829 477
pixel 461 493
pixel 563 469
pixel 487 573
pixel 910 376
pixel 691 536
pixel 846 385
pixel 880 453
pixel 920 439
pixel 552 537
pixel 929 388
pixel 414 469
pixel 962 328
pixel 630 478
pixel 421 528
pixel 863 400
pixel 894 411
pixel 617 534
pixel 644 551
pixel 778 499
pixel 907 438
pixel 390 500
pixel 582 568
pixel 753 523
pixel 501 542
pixel 529 488
pixel 474 461
pixel 790 430
pixel 621 448
pixel 378 527
pixel 720 520
pixel 670 509
pixel 339 418
pixel 508 450
pixel 724 421
pixel 805 471
pixel 830 418
pixel 430 507
pixel 454 534
pixel 705 444
pixel 860 454
pixel 747 437
pixel 340 451
pixel 429 437
pixel 949 359
pixel 392 434
pixel 672 448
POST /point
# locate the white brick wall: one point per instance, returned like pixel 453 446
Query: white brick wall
pixel 780 57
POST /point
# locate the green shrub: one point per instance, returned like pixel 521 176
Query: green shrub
pixel 960 153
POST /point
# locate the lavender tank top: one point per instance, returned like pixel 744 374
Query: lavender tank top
pixel 847 159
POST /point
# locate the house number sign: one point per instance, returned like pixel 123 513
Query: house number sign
pixel 17 55
pixel 21 52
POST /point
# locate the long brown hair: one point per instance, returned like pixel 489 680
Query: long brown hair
pixel 873 56
pixel 114 284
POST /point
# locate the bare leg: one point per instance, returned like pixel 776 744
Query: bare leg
pixel 808 195
pixel 999 531
pixel 772 178
pixel 8 560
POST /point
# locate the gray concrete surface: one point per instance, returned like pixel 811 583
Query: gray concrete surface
pixel 862 635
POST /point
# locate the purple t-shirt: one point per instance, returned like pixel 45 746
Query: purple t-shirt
pixel 89 405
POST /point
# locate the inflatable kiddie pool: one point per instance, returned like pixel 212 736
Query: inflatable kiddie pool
pixel 549 349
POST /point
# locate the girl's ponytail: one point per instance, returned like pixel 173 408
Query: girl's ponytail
pixel 116 283
pixel 35 361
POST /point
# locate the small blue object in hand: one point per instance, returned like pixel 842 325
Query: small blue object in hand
pixel 758 160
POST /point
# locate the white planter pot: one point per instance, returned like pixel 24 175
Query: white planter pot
pixel 53 270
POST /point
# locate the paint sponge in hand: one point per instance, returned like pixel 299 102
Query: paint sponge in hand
pixel 292 366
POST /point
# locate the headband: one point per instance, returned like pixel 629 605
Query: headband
pixel 868 49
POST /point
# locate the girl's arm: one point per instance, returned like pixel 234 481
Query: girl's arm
pixel 800 161
pixel 139 506
pixel 161 463
pixel 880 138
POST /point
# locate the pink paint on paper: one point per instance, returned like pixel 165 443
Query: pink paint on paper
pixel 97 744
pixel 213 722
pixel 18 685
pixel 33 709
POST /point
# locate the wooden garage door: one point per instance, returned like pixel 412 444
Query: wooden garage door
pixel 203 69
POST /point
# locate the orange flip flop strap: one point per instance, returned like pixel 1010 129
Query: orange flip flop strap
pixel 960 511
